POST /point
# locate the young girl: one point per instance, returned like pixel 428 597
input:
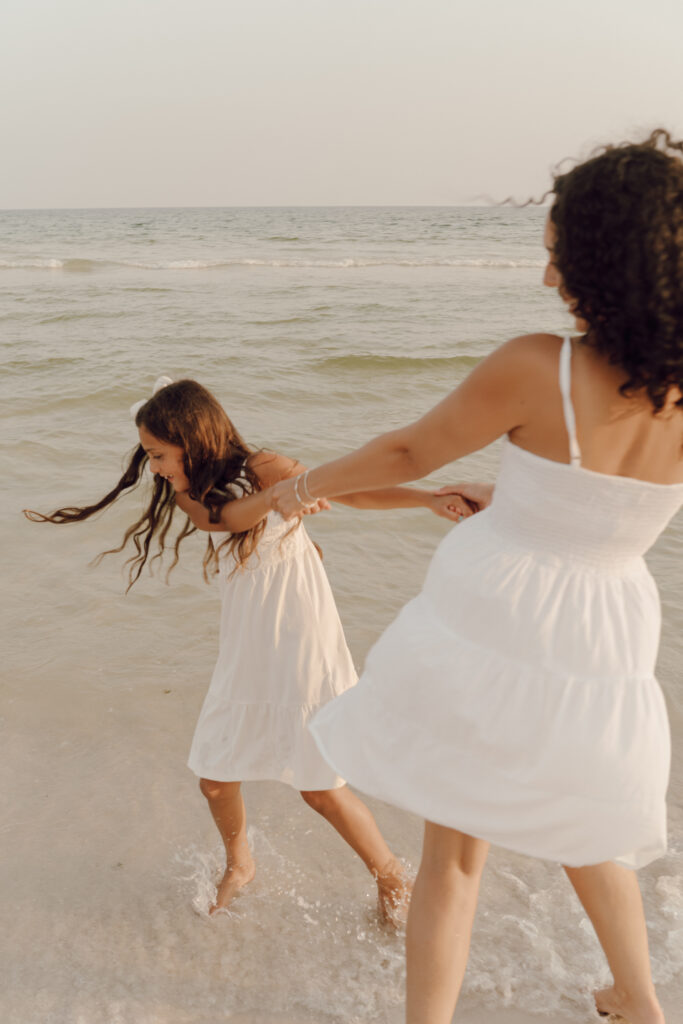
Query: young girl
pixel 539 724
pixel 282 651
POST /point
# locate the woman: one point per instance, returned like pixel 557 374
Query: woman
pixel 514 701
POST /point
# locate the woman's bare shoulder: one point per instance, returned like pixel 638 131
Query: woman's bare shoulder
pixel 534 346
pixel 525 358
pixel 518 365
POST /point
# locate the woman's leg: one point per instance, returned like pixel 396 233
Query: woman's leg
pixel 440 920
pixel 355 823
pixel 227 807
pixel 611 897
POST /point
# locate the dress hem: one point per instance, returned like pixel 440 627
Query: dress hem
pixel 296 784
pixel 627 860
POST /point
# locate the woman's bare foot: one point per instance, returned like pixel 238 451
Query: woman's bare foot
pixel 393 894
pixel 236 876
pixel 628 1008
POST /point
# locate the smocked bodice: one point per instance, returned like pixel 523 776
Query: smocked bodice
pixel 574 512
pixel 281 539
pixel 568 511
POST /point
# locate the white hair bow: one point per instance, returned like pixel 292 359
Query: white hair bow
pixel 159 383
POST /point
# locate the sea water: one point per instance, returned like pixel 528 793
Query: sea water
pixel 317 329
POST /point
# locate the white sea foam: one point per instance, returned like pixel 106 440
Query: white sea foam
pixel 32 264
pixel 299 264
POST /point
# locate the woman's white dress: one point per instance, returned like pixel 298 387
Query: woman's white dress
pixel 282 655
pixel 514 699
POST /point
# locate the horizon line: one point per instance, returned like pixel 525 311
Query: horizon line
pixel 493 204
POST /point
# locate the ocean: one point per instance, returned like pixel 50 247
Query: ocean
pixel 317 328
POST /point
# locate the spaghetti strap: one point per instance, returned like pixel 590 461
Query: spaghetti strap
pixel 565 388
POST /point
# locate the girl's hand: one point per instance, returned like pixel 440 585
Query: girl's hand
pixel 450 505
pixel 477 495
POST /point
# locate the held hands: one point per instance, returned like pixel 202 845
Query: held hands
pixel 450 505
pixel 455 502
pixel 286 498
pixel 321 505
pixel 476 496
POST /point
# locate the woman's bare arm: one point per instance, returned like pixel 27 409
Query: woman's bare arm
pixel 272 468
pixel 493 400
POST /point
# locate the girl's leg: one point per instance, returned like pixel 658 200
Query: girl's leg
pixel 440 921
pixel 355 823
pixel 227 807
pixel 611 897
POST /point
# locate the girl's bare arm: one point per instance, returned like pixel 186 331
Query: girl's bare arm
pixel 244 513
pixel 236 516
pixel 450 505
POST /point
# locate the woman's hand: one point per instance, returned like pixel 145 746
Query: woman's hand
pixel 477 496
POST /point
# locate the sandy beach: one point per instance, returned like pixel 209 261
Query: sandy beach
pixel 109 853
pixel 109 877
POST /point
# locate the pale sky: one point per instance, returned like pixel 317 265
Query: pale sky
pixel 321 102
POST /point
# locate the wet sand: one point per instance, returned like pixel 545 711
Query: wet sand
pixel 109 871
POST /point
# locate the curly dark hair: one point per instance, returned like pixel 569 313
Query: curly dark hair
pixel 215 461
pixel 618 218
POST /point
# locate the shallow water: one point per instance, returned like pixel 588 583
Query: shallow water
pixel 316 329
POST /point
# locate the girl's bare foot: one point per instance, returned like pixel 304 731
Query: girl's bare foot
pixel 393 894
pixel 623 1007
pixel 236 876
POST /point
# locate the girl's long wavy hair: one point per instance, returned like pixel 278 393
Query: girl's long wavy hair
pixel 215 461
pixel 618 219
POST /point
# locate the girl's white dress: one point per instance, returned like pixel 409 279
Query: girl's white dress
pixel 514 699
pixel 282 655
